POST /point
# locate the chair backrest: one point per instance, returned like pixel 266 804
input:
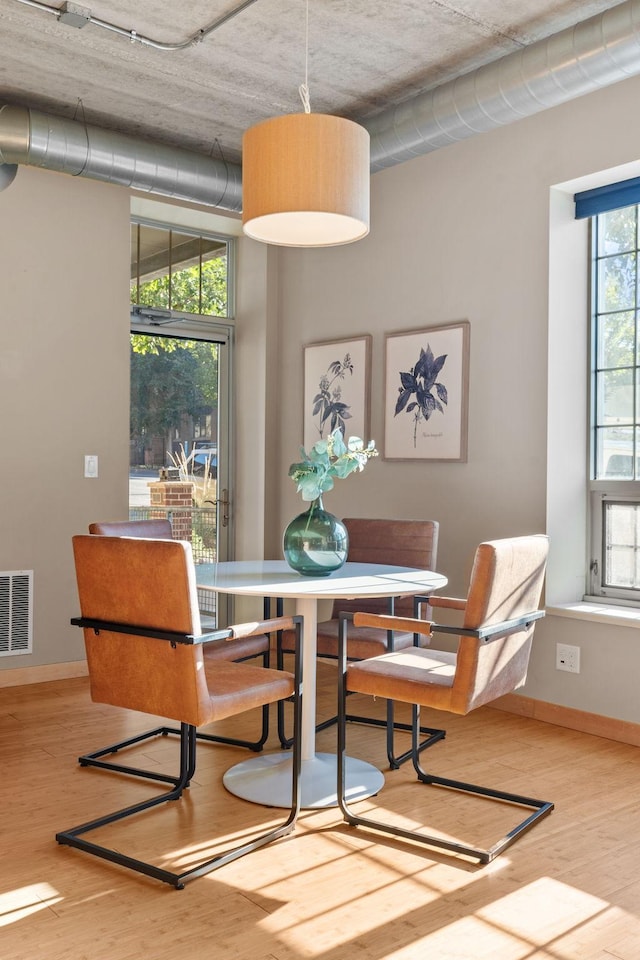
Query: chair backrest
pixel 402 543
pixel 152 529
pixel 506 583
pixel 150 584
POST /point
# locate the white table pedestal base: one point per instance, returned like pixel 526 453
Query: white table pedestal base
pixel 267 780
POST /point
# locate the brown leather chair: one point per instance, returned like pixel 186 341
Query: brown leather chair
pixel 145 652
pixel 403 543
pixel 245 648
pixel 152 529
pixel 157 528
pixel 494 643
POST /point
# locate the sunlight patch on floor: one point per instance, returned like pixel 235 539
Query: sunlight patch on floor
pixel 527 922
pixel 542 910
pixel 23 901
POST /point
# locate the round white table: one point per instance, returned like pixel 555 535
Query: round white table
pixel 266 778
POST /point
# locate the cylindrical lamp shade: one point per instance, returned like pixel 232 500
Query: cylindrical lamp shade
pixel 305 181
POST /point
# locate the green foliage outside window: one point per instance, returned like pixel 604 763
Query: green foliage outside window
pixel 171 379
pixel 199 290
pixel 616 341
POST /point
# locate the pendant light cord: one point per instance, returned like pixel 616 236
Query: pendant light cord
pixel 303 89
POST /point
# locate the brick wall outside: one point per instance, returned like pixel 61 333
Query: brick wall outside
pixel 176 495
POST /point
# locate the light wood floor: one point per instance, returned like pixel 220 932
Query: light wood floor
pixel 568 889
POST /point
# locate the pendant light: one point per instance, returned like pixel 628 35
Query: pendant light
pixel 305 178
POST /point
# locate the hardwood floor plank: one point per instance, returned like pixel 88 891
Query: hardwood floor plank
pixel 568 890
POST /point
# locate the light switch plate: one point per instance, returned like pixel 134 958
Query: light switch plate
pixel 91 465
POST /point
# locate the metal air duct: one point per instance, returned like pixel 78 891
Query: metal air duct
pixel 592 54
pixel 595 53
pixel 68 146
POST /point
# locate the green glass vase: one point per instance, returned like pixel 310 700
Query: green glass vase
pixel 315 543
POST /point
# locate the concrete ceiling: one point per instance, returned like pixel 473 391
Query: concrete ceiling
pixel 364 56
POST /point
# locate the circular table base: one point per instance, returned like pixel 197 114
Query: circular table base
pixel 267 779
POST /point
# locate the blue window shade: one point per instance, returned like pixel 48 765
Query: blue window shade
pixel 613 196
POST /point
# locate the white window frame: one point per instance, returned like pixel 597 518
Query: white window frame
pixel 607 491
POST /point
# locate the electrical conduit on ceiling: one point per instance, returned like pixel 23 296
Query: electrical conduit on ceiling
pixel 595 53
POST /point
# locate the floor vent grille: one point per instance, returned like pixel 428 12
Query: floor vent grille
pixel 16 605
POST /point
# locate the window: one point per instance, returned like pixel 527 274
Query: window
pixel 615 407
pixel 173 269
pixel 180 388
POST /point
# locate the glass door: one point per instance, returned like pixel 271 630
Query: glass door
pixel 179 438
pixel 179 463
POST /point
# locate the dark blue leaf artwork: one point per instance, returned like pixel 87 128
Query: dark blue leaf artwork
pixel 328 406
pixel 415 393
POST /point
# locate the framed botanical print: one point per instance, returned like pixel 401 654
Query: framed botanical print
pixel 426 393
pixel 337 376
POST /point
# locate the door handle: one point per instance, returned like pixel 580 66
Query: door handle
pixel 224 503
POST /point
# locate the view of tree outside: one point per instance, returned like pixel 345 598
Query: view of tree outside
pixel 616 344
pixel 174 396
pixel 616 386
pixel 177 270
pixel 174 382
pixel 198 290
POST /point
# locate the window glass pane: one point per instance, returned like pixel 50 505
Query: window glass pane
pixel 616 283
pixel 622 545
pixel 616 231
pixel 614 570
pixel 185 273
pixel 615 397
pixel 174 424
pixel 179 271
pixel 135 236
pixel 616 336
pixel 150 286
pixel 615 453
pixel 215 284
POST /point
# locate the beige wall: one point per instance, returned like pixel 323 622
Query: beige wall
pixel 64 385
pixel 463 233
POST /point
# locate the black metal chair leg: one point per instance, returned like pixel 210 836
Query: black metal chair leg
pixel 541 808
pixel 74 837
pixel 432 735
pixel 94 759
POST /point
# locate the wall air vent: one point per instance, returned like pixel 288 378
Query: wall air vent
pixel 16 605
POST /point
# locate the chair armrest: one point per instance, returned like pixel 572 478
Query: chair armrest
pixel 112 627
pixel 226 633
pixel 272 625
pixel 492 631
pixel 387 622
pixel 448 603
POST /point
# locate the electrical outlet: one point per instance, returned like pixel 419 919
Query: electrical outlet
pixel 567 658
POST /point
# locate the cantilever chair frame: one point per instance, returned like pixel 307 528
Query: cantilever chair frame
pixel 74 837
pixel 541 808
pixel 161 529
pixel 391 725
pixel 94 759
pixel 432 735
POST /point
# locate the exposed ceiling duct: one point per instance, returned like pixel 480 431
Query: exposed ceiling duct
pixel 69 146
pixel 596 53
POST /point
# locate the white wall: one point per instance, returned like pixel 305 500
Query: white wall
pixel 64 386
pixel 464 233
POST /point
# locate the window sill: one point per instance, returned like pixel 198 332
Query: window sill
pixel 598 613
